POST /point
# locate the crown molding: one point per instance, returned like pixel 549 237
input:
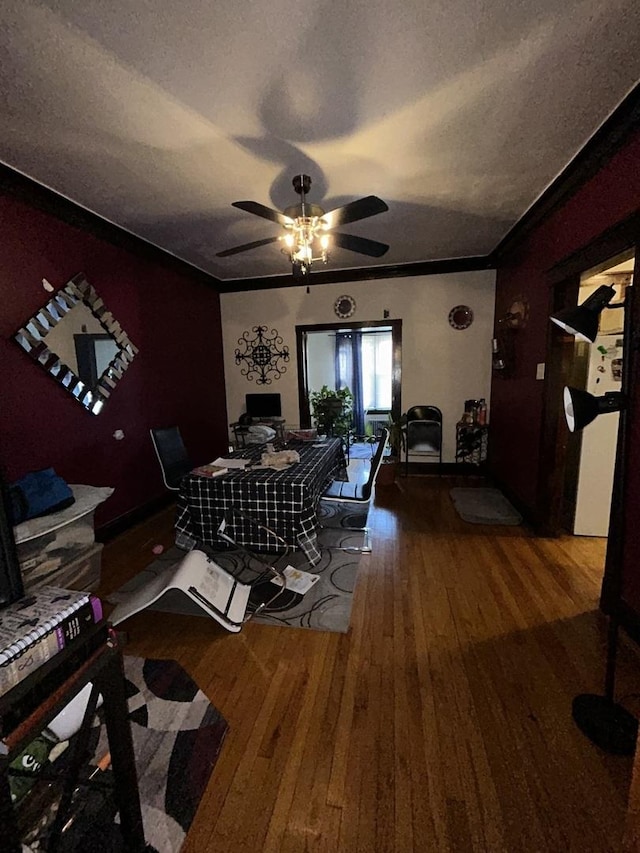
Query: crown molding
pixel 329 276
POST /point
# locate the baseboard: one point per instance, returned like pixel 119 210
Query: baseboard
pixel 129 519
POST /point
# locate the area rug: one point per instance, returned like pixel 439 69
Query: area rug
pixel 177 736
pixel 325 607
pixel 484 506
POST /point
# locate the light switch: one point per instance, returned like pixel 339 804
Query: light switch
pixel 540 370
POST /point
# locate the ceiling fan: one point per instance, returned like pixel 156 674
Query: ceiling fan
pixel 308 230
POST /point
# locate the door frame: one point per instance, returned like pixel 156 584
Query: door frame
pixel 301 351
pixel 564 281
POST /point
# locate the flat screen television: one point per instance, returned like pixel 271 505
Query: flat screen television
pixel 11 588
pixel 263 405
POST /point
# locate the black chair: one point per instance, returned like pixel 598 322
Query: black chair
pixel 172 455
pixel 358 493
pixel 423 434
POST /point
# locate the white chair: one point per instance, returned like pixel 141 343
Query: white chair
pixel 229 597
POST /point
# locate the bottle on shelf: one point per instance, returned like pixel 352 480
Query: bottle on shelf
pixel 482 412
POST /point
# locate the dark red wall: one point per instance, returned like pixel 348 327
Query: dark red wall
pixel 516 403
pixel 176 378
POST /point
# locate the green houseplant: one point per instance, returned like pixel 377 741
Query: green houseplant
pixel 332 410
pixel 397 444
pixel 397 436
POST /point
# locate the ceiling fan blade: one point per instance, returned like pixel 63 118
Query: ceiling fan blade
pixel 361 209
pixel 266 212
pixel 359 244
pixel 246 246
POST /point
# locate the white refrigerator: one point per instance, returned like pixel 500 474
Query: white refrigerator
pixel 598 453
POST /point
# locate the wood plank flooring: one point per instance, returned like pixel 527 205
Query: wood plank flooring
pixel 440 722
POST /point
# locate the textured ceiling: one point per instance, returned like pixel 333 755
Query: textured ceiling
pixel 157 115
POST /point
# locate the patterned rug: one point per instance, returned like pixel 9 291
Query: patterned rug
pixel 325 607
pixel 177 736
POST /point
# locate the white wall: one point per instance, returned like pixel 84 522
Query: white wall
pixel 440 365
pixel 321 348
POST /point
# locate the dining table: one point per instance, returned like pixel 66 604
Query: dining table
pixel 281 500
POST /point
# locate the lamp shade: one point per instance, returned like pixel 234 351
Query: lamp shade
pixel 581 407
pixel 583 320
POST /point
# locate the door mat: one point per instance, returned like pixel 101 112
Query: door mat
pixel 177 737
pixel 484 506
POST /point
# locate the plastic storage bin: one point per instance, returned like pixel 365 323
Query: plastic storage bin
pixel 81 573
pixel 47 545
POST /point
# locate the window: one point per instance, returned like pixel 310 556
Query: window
pixel 376 370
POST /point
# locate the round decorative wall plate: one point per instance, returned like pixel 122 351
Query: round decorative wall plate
pixel 461 317
pixel 344 306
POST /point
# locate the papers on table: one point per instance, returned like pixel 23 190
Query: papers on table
pixel 231 462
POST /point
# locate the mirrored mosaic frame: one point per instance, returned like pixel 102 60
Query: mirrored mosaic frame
pixel 31 338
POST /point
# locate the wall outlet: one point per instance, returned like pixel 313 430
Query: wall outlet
pixel 540 370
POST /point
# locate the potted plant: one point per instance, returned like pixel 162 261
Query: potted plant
pixel 331 410
pixel 397 444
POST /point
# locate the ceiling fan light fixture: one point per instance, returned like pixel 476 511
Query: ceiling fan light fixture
pixel 309 231
pixel 306 244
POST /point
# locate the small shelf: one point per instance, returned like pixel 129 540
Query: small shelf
pixel 471 443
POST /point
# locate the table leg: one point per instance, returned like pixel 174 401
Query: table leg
pixel 116 714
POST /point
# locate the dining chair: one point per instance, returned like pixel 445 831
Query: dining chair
pixel 172 455
pixel 423 434
pixel 359 493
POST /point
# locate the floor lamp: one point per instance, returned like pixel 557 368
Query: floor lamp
pixel 605 722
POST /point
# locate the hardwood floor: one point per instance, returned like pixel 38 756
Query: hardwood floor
pixel 440 722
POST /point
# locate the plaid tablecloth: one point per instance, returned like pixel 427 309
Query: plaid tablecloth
pixel 284 501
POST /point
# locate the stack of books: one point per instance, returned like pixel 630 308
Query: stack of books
pixel 39 626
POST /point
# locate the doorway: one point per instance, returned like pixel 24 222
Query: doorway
pixel 580 481
pixel 367 354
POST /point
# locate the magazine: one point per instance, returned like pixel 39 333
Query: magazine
pixel 209 470
pixel 297 580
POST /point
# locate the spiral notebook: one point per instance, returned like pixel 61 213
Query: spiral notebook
pixel 24 623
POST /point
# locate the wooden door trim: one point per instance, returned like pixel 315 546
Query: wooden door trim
pixel 563 280
pixel 396 378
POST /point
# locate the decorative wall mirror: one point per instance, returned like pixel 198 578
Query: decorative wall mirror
pixel 79 343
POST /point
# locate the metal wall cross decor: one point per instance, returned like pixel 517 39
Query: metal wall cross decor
pixel 262 355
